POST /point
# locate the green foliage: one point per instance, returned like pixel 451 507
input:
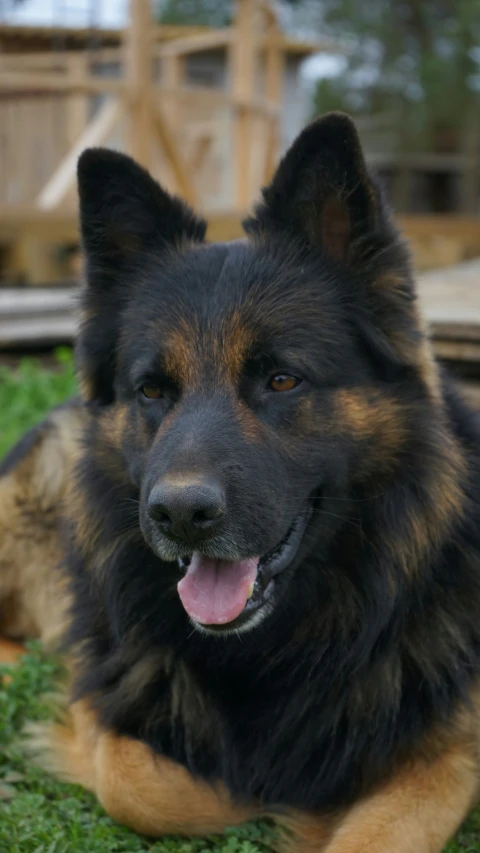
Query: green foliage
pixel 38 814
pixel 417 58
pixel 209 13
pixel 27 393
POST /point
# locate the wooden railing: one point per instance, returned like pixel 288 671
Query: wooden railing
pixel 138 97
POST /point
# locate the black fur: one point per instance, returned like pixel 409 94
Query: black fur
pixel 375 633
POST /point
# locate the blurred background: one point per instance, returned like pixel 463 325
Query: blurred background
pixel 208 95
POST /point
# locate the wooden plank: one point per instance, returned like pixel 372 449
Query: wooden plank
pixel 24 301
pixel 78 104
pixel 225 225
pixel 243 60
pixel 432 224
pixel 174 156
pixel 274 86
pixel 49 331
pixel 217 98
pixel 173 75
pixel 196 43
pixel 139 74
pixel 19 35
pixel 49 225
pixel 64 177
pixel 457 350
pixel 451 297
pixel 33 81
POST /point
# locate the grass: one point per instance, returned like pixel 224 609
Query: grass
pixel 27 393
pixel 38 814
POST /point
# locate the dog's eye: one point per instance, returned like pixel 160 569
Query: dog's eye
pixel 283 382
pixel 151 392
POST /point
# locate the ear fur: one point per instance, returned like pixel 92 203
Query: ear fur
pixel 123 210
pixel 123 214
pixel 322 191
pixel 323 196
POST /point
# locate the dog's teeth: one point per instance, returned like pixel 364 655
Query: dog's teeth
pixel 250 590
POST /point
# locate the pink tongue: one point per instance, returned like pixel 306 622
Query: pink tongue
pixel 216 591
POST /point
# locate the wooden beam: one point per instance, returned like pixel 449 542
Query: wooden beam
pixel 274 88
pixel 203 145
pixel 77 103
pixel 196 43
pixel 173 75
pixel 58 60
pixel 30 81
pixel 217 98
pixel 50 225
pixel 139 80
pixel 470 177
pixel 243 58
pixel 64 177
pixel 179 166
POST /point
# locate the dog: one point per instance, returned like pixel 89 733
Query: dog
pixel 267 514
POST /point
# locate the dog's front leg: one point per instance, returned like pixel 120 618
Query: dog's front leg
pixel 417 811
pixel 146 792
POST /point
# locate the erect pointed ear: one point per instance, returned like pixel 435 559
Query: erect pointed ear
pixel 123 214
pixel 321 191
pixel 123 210
pixel 323 194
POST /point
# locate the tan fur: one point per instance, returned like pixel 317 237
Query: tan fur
pixel 372 416
pixel 189 351
pixel 416 811
pixel 153 795
pixel 32 598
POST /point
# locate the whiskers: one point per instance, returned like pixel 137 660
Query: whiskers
pixel 129 508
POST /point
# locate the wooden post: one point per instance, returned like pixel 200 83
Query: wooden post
pixel 139 72
pixel 64 176
pixel 470 176
pixel 274 84
pixel 243 55
pixel 173 71
pixel 77 112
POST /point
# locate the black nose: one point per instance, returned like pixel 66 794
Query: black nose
pixel 185 509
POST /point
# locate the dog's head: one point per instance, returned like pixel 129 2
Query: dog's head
pixel 259 385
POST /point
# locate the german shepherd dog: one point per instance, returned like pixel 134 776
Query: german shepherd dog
pixel 270 504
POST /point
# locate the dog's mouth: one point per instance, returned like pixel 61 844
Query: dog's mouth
pixel 227 593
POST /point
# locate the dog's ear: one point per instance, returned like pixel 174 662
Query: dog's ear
pixel 321 191
pixel 123 210
pixel 323 195
pixel 124 213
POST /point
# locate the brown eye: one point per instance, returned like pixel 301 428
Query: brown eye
pixel 282 382
pixel 152 392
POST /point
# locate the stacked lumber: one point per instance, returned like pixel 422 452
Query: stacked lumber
pixel 40 317
pixel 451 303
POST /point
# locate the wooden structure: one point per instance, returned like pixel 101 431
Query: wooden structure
pixel 442 176
pixel 212 144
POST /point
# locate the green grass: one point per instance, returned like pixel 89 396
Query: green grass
pixel 27 393
pixel 38 814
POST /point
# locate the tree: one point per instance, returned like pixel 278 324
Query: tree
pixel 213 13
pixel 420 58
